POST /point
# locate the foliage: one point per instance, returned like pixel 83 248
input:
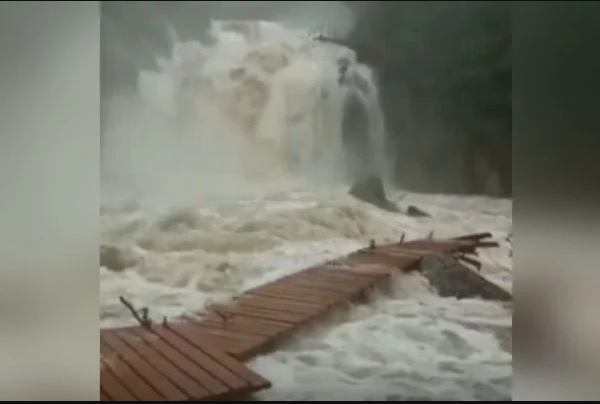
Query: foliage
pixel 446 75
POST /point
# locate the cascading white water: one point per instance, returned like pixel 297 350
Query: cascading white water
pixel 280 94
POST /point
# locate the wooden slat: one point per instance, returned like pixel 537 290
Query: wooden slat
pixel 297 295
pixel 399 255
pixel 295 288
pixel 281 304
pixel 161 384
pixel 341 275
pixel 198 340
pixel 235 336
pixel 250 325
pixel 113 387
pixel 323 283
pixel 267 314
pixel 218 372
pixel 168 369
pixel 227 345
pixel 342 282
pixel 428 245
pixel 137 386
pixel 474 236
pixel 104 397
pixel 352 278
pixel 105 351
pixel 180 359
pixel 349 263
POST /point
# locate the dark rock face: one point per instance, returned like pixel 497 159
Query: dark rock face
pixel 451 279
pixel 371 190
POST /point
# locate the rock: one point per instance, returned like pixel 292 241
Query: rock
pixel 452 279
pixel 371 190
pixel 416 212
pixel 116 259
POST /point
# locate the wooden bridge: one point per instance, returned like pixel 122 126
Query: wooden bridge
pixel 200 357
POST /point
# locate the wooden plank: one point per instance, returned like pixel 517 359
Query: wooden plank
pixel 347 264
pixel 191 388
pixel 105 350
pixel 474 236
pixel 355 279
pixel 342 282
pixel 413 255
pixel 323 283
pixel 183 362
pixel 139 387
pixel 394 262
pixel 232 335
pixel 250 325
pixel 226 345
pixel 297 288
pixel 162 385
pixel 192 336
pixel 268 314
pixel 113 386
pixel 438 246
pixel 103 396
pixel 297 295
pixel 280 304
pixel 219 371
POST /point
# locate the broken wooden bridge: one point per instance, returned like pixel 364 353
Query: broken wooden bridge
pixel 200 357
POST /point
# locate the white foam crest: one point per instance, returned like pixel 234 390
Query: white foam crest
pixel 221 250
pixel 427 348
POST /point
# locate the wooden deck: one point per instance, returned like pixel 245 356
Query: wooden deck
pixel 163 365
pixel 198 357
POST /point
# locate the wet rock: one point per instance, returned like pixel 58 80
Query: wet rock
pixel 116 259
pixel 371 190
pixel 452 279
pixel 413 211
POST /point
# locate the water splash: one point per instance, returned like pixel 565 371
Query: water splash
pixel 278 96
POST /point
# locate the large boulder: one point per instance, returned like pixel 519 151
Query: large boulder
pixel 452 279
pixel 371 190
pixel 413 211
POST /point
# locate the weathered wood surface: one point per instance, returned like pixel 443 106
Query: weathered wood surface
pixel 166 364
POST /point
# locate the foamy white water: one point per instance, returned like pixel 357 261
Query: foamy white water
pixel 202 224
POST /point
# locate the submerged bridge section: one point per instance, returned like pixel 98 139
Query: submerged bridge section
pixel 200 357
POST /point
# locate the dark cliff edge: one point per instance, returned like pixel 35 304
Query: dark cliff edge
pixel 445 74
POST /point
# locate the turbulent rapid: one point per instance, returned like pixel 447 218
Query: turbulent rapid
pixel 229 169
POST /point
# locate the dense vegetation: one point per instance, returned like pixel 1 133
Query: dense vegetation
pixel 446 85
